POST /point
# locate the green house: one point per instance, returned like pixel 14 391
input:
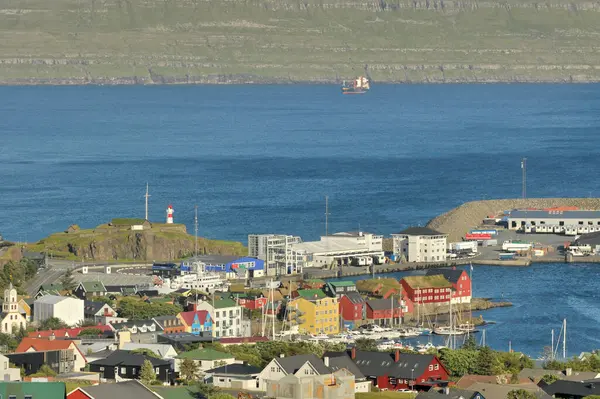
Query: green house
pixel 33 390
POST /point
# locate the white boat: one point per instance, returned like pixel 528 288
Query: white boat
pixel 319 337
pixel 408 332
pixel 466 327
pixel 446 330
pixel 423 348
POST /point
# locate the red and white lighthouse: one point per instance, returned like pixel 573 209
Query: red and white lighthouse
pixel 170 214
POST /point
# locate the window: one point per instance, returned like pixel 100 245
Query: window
pixel 123 370
pixel 431 367
pixel 101 368
pixel 28 397
pixel 157 370
pixel 12 396
pixel 436 367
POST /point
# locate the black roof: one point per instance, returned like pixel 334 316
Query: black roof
pixel 381 363
pixel 420 231
pixel 340 360
pixel 126 358
pixel 126 389
pixel 236 369
pixel 291 364
pixel 591 239
pixel 382 304
pixel 92 307
pixel 572 388
pixel 355 297
pixel 452 275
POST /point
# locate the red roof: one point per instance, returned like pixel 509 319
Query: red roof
pixel 41 345
pixel 242 340
pixel 66 332
pixel 188 317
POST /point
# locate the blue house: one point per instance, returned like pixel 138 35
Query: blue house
pixel 196 322
pixel 232 266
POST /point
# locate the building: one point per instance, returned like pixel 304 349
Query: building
pixel 90 289
pixel 8 373
pixel 11 319
pixel 170 324
pixel 69 310
pixel 400 370
pixel 353 310
pixel 384 311
pixel 340 249
pixel 196 322
pixel 140 331
pixel 276 251
pixel 230 267
pixel 50 289
pixel 518 219
pixel 590 239
pixel 380 287
pixel 68 333
pixel 181 340
pixel 420 244
pixel 315 313
pixel 125 389
pixel 165 351
pixel 42 345
pixel 207 358
pixel 460 280
pixel 127 365
pixel 61 361
pixel 427 289
pixel 572 389
pixel 339 288
pixel 227 316
pixel 250 301
pixel 235 376
pixel 33 390
pixel 336 361
pixel 300 365
pixel 337 385
pixel 97 311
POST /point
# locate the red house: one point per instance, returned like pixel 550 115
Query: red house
pixel 381 311
pixel 427 289
pixel 251 302
pixel 353 308
pixel 460 280
pixel 400 370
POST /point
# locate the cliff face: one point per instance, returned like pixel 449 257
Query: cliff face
pixel 289 41
pixel 132 245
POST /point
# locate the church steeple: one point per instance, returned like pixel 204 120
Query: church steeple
pixel 10 304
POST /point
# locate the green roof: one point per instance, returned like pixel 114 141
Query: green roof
pixel 434 281
pixel 46 390
pixel 176 392
pixel 51 287
pixel 311 294
pixel 225 303
pixel 205 354
pixel 93 286
pixel 343 283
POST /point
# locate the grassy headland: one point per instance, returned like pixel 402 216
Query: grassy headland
pixel 276 41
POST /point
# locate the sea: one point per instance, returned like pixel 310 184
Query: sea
pixel 262 159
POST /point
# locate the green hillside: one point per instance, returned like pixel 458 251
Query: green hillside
pixel 187 41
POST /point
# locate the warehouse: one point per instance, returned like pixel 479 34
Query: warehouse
pixel 554 221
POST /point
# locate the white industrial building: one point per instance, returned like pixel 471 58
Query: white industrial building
pixel 554 221
pixel 341 249
pixel 68 309
pixel 420 244
pixel 276 251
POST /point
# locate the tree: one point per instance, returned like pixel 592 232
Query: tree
pixel 514 378
pixel 459 362
pixel 205 391
pixel 53 323
pixel 103 299
pixel 520 394
pixel 68 281
pixel 8 341
pixel 366 344
pixel 470 344
pixel 486 362
pixel 147 374
pixel 45 371
pixel 549 378
pixel 188 369
pixel 146 352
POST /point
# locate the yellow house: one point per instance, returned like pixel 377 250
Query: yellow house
pixel 315 313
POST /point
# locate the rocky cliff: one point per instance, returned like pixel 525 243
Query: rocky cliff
pixel 292 41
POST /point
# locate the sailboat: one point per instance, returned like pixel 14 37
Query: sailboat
pixel 451 329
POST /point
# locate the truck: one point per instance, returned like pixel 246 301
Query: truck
pixel 516 246
pixel 507 256
pixel 463 246
pixel 492 232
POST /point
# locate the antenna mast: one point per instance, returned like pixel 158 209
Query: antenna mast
pixel 147 196
pixel 196 230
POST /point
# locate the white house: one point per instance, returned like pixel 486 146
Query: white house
pixel 235 376
pixel 11 319
pixel 420 244
pixel 68 309
pixel 6 372
pixel 299 365
pixel 226 315
pixel 206 359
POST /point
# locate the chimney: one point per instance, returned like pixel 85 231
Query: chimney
pixel 326 361
pixel 281 355
pixel 353 353
pixel 568 372
pixel 397 356
pixel 446 390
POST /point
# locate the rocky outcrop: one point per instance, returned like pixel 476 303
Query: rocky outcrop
pixel 458 221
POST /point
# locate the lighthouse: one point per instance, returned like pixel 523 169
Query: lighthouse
pixel 170 214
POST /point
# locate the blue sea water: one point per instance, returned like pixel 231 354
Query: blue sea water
pixel 261 159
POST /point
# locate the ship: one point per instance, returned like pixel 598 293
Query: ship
pixel 359 85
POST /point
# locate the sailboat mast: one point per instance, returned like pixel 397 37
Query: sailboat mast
pixel 552 348
pixel 273 309
pixel 564 338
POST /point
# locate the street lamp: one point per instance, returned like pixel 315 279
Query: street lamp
pixel 412 380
